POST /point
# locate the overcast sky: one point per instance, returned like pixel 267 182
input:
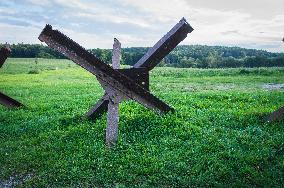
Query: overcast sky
pixel 94 23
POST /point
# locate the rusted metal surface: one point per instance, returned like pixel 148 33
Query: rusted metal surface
pixel 99 109
pixel 119 84
pixel 104 72
pixel 155 54
pixel 114 99
pixel 4 99
pixel 9 102
pixel 276 115
pixel 4 54
pixel 116 54
pixel 139 75
pixel 112 123
pixel 165 45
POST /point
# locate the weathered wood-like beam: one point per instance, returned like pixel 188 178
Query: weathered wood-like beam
pixel 9 102
pixel 165 45
pixel 112 77
pixel 276 115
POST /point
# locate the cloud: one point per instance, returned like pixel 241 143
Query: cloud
pixel 259 9
pixel 224 22
pixel 252 24
pixel 40 3
pixel 23 33
pixel 230 32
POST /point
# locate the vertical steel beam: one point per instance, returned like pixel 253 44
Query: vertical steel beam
pixel 113 105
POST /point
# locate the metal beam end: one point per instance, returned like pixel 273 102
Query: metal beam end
pixel 183 21
pixel 46 31
pixel 6 50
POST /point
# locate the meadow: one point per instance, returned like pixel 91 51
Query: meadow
pixel 218 135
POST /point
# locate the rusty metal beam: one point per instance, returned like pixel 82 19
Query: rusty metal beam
pixel 114 100
pixel 91 63
pixel 154 55
pixel 165 45
pixel 4 54
pixel 276 115
pixel 139 75
pixel 4 99
pixel 112 123
pixel 99 109
pixel 9 102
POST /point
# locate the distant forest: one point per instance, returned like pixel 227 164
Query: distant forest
pixel 185 56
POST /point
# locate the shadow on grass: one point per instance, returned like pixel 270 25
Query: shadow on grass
pixel 152 128
pixel 74 120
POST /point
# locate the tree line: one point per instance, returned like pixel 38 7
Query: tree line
pixel 184 56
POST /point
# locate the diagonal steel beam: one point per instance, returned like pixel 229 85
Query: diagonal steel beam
pixel 9 102
pixel 4 54
pixel 99 109
pixel 139 75
pixel 165 45
pixel 110 76
pixel 4 99
pixel 276 115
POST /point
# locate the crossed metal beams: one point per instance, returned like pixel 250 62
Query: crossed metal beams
pixel 105 74
pixel 119 84
pixel 4 99
pixel 154 55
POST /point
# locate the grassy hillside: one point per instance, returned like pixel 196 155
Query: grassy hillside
pixel 217 136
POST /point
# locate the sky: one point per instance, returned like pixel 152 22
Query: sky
pixel 255 24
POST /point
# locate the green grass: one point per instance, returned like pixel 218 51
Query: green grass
pixel 217 137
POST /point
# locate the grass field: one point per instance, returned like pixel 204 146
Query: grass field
pixel 217 137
